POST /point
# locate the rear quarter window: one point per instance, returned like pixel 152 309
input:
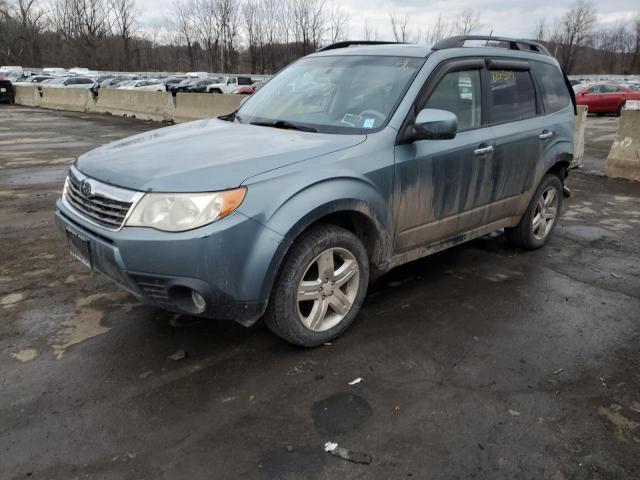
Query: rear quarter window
pixel 555 95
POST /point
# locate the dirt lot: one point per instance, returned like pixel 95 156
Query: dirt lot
pixel 482 362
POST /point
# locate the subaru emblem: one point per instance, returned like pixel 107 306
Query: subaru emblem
pixel 85 188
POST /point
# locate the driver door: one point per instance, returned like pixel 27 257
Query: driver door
pixel 442 184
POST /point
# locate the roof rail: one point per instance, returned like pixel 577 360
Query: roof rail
pixel 514 43
pixel 351 43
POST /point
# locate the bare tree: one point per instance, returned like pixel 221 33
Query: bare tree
pixel 308 23
pixel 338 20
pixel 85 23
pixel 541 30
pixel 228 19
pixel 253 29
pixel 369 33
pixel 575 31
pixel 207 29
pixel 30 22
pixel 182 27
pixel 124 13
pixel 440 30
pixel 635 34
pixel 400 28
pixel 467 22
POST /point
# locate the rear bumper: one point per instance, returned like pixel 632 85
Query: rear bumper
pixel 219 261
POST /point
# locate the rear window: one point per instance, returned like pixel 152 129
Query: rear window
pixel 513 96
pixel 555 95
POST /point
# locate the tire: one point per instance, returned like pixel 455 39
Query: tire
pixel 525 235
pixel 290 318
pixel 621 108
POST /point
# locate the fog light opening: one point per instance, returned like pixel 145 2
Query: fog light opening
pixel 188 300
pixel 199 302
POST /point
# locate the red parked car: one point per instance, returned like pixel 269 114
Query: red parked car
pixel 606 97
pixel 248 89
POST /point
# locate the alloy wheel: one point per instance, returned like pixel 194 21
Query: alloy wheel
pixel 328 289
pixel 545 214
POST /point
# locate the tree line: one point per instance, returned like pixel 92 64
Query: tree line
pixel 262 36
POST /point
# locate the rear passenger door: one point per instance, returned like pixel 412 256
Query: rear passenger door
pixel 519 134
pixel 558 112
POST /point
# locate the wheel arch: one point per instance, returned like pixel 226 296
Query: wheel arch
pixel 353 214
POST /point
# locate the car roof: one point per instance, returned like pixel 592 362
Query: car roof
pixel 451 47
pixel 402 49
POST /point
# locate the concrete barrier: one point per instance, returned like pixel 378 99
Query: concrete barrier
pixel 194 106
pixel 26 95
pixel 157 106
pixel 578 136
pixel 624 158
pixel 69 99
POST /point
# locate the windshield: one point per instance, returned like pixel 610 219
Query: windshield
pixel 333 94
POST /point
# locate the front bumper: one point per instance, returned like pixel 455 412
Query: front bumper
pixel 226 262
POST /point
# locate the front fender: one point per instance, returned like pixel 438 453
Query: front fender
pixel 303 208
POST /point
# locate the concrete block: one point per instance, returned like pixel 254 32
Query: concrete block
pixel 69 99
pixel 156 106
pixel 195 106
pixel 26 95
pixel 578 136
pixel 624 158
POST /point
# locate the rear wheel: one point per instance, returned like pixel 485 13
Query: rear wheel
pixel 320 288
pixel 621 108
pixel 541 216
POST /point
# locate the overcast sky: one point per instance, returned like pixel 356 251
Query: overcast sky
pixel 506 17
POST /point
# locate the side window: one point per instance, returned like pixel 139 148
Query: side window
pixel 512 94
pixel 555 95
pixel 244 81
pixel 612 89
pixel 459 93
pixel 596 89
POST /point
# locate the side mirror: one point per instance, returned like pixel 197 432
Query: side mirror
pixel 432 124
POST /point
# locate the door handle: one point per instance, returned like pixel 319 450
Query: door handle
pixel 483 150
pixel 545 134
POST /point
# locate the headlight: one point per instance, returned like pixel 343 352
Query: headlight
pixel 177 212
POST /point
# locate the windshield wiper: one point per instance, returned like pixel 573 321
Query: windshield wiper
pixel 285 124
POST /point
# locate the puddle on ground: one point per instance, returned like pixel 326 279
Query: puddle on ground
pixel 624 426
pixel 340 413
pixel 85 324
pixel 297 462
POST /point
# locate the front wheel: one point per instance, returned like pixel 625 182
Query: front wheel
pixel 320 288
pixel 541 216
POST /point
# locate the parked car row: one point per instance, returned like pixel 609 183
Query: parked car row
pixel 224 84
pixel 191 82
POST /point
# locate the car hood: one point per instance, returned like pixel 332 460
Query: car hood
pixel 204 155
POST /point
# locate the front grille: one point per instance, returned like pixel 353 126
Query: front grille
pixel 153 287
pixel 100 209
